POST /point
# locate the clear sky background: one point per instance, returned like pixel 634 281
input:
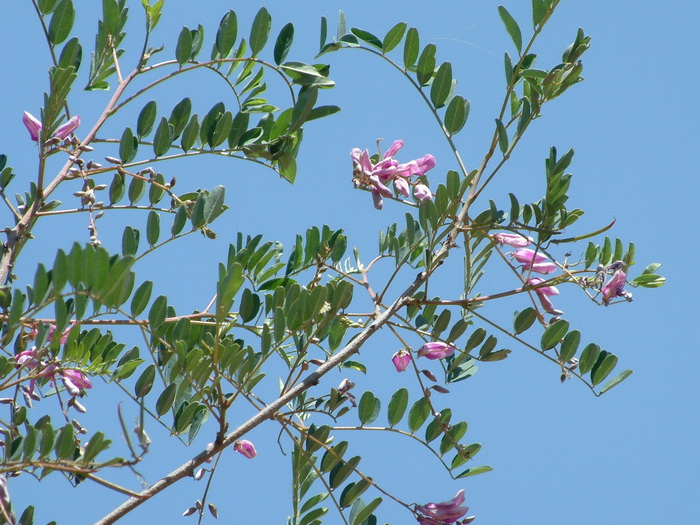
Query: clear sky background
pixel 560 455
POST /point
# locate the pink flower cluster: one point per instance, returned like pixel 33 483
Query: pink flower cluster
pixel 34 127
pixel 445 513
pixel 388 170
pixel 74 381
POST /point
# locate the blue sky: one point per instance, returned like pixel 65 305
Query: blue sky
pixel 559 454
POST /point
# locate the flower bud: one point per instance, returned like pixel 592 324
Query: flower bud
pixel 33 125
pixel 401 360
pixel 245 448
pixel 421 192
pixel 66 129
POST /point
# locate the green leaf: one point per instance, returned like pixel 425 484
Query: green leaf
pixel 214 205
pixel 46 6
pixel 569 345
pixel 158 312
pixel 61 22
pixel 604 365
pixel 190 134
pixel 393 37
pixel 365 512
pixel 524 320
pixel 283 43
pixel 368 408
pixel 71 54
pixel 183 50
pixel 179 116
pixel 397 406
pixel 302 108
pixel 426 65
pixel 456 114
pixel 442 85
pixel 145 381
pixel 117 188
pixel 418 414
pixel 137 187
pixel 250 305
pixel 341 472
pixel 146 119
pixel 539 10
pixel 152 228
pixel 619 378
pixel 354 365
pixel 368 37
pixel 411 48
pixel 474 471
pixel 553 334
pixel 333 456
pixel 141 297
pixel 222 129
pixel 260 31
pixel 163 138
pixel 130 241
pixel 287 165
pixel 589 356
pixel 306 75
pixel 352 491
pixel 65 442
pixel 322 111
pixel 226 34
pixel 179 221
pixel 502 136
pixel 128 146
pixel 511 27
pixel 342 25
pixel 648 280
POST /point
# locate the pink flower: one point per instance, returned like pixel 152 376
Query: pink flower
pixel 436 350
pixel 32 124
pixel 543 267
pixel 246 448
pixel 615 288
pixel 401 360
pixel 376 176
pixel 543 294
pixel 66 129
pixel 528 256
pixel 77 378
pixel 422 192
pixel 442 513
pixel 535 261
pixel 512 239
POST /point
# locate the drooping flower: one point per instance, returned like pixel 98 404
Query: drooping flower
pixel 528 256
pixel 66 129
pixel 543 294
pixel 245 448
pixel 32 124
pixel 442 513
pixel 615 288
pixel 512 239
pixel 535 261
pixel 344 389
pixel 401 360
pixel 376 176
pixel 76 378
pixel 436 350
